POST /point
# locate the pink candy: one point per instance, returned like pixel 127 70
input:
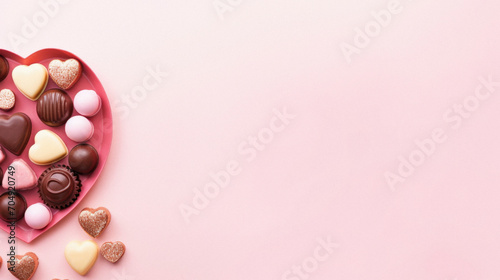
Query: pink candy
pixel 38 216
pixel 87 103
pixel 25 177
pixel 79 129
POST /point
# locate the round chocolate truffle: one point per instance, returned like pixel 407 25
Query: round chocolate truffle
pixel 4 68
pixel 54 107
pixel 83 158
pixel 17 205
pixel 59 186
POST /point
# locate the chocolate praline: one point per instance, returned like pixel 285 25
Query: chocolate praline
pixel 4 68
pixel 15 132
pixel 59 186
pixel 54 107
pixel 18 204
pixel 83 158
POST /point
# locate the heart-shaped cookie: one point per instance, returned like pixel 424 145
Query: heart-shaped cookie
pixel 24 176
pixel 81 256
pixel 30 80
pixel 65 74
pixel 101 141
pixel 112 251
pixel 48 148
pixel 15 132
pixel 25 266
pixel 94 221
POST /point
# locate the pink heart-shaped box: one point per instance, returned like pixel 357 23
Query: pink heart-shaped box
pixel 103 131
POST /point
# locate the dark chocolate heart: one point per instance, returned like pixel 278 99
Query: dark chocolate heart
pixel 15 132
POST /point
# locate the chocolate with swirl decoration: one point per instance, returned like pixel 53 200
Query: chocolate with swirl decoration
pixel 59 186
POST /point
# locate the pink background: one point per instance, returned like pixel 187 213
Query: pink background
pixel 320 177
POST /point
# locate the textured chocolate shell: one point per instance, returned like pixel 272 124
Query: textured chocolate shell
pixel 54 107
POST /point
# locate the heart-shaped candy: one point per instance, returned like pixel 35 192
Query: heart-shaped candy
pixel 81 256
pixel 48 148
pixel 15 131
pixel 94 221
pixel 22 174
pixel 25 266
pixel 65 74
pixel 30 80
pixel 102 122
pixel 112 251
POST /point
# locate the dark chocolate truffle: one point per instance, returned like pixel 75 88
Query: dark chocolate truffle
pixel 54 107
pixel 17 205
pixel 83 158
pixel 59 186
pixel 4 68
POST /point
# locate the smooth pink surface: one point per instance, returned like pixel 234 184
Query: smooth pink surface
pixel 24 176
pixel 79 129
pixel 322 175
pixel 101 140
pixel 87 102
pixel 37 216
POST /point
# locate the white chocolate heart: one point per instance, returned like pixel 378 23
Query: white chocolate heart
pixel 31 80
pixel 48 148
pixel 81 256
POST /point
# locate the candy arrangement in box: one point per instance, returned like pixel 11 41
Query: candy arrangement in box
pixel 55 136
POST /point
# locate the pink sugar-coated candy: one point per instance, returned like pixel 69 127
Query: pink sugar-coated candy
pixel 79 129
pixel 87 103
pixel 38 216
pixel 2 155
pixel 23 175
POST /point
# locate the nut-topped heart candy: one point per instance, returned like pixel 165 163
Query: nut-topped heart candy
pixel 15 132
pixel 112 251
pixel 25 266
pixel 65 73
pixel 30 80
pixel 94 221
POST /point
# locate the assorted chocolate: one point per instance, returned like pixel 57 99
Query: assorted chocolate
pixel 112 251
pixel 24 176
pixel 60 184
pixel 15 132
pixel 30 80
pixel 94 221
pixel 12 211
pixel 54 107
pixel 81 255
pixel 65 73
pixel 83 158
pixel 48 148
pixel 24 267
